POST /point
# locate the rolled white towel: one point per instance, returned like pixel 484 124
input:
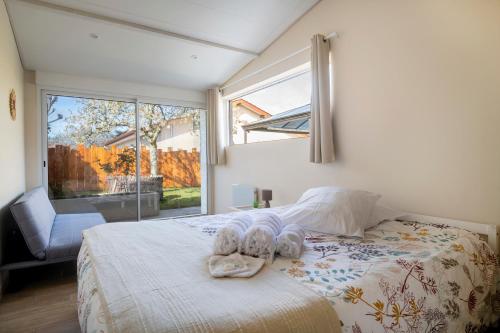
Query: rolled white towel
pixel 229 237
pixel 291 241
pixel 270 219
pixel 260 239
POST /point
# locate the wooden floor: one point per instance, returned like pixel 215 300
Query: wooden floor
pixel 41 299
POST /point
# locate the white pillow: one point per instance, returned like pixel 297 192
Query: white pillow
pixel 332 210
pixel 381 213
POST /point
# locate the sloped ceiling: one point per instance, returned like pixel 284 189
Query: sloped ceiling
pixel 77 37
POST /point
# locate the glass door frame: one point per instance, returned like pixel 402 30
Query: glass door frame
pixel 205 184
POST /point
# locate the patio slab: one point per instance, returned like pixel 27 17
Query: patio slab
pixel 177 212
pixel 117 208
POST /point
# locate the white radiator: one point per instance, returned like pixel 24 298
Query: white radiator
pixel 243 195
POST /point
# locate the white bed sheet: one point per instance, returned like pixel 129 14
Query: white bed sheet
pixel 403 277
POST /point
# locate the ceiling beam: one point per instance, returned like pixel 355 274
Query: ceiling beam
pixel 137 26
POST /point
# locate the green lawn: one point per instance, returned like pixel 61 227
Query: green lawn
pixel 172 197
pixel 180 197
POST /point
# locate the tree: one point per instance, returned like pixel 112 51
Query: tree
pixel 154 117
pixel 51 111
pixel 125 163
pixel 98 121
pixel 61 138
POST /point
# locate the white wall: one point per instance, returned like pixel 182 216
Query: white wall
pixel 11 132
pixel 12 182
pixel 92 86
pixel 417 108
pixel 32 125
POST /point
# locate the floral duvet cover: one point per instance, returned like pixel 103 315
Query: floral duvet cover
pixel 403 276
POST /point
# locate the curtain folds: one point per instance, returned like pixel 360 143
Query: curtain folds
pixel 321 127
pixel 215 145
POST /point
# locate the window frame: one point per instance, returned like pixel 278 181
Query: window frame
pixel 75 93
pixel 277 79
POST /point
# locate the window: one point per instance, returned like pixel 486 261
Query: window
pixel 276 112
pixel 171 152
pixel 91 153
pixel 92 157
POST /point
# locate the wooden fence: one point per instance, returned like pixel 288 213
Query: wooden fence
pixel 83 169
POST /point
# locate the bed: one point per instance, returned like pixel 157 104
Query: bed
pixel 414 274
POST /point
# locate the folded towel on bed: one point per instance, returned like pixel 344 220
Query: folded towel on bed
pixel 234 265
pixel 260 239
pixel 291 241
pixel 229 237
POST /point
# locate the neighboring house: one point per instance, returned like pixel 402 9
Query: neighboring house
pixel 181 133
pixel 178 134
pixel 125 139
pixel 252 124
pixel 245 113
pixel 293 123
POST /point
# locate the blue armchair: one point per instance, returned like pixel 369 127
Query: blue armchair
pixel 50 237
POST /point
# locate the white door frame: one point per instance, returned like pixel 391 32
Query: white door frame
pixel 137 100
pixel 44 123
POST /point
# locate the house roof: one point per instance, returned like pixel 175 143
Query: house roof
pixel 291 121
pixel 131 133
pixel 120 137
pixel 252 107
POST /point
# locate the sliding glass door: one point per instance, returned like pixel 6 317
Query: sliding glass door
pixel 96 160
pixel 170 160
pixel 90 162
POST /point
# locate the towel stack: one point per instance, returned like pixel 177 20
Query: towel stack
pixel 259 235
pixel 260 239
pixel 290 241
pixel 228 238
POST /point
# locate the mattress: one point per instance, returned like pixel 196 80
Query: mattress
pixel 403 276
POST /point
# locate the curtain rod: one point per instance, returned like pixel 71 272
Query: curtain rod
pixel 260 70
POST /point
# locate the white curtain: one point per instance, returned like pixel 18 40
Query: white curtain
pixel 321 136
pixel 215 143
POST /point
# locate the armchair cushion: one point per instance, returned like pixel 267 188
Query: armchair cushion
pixel 35 216
pixel 66 237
